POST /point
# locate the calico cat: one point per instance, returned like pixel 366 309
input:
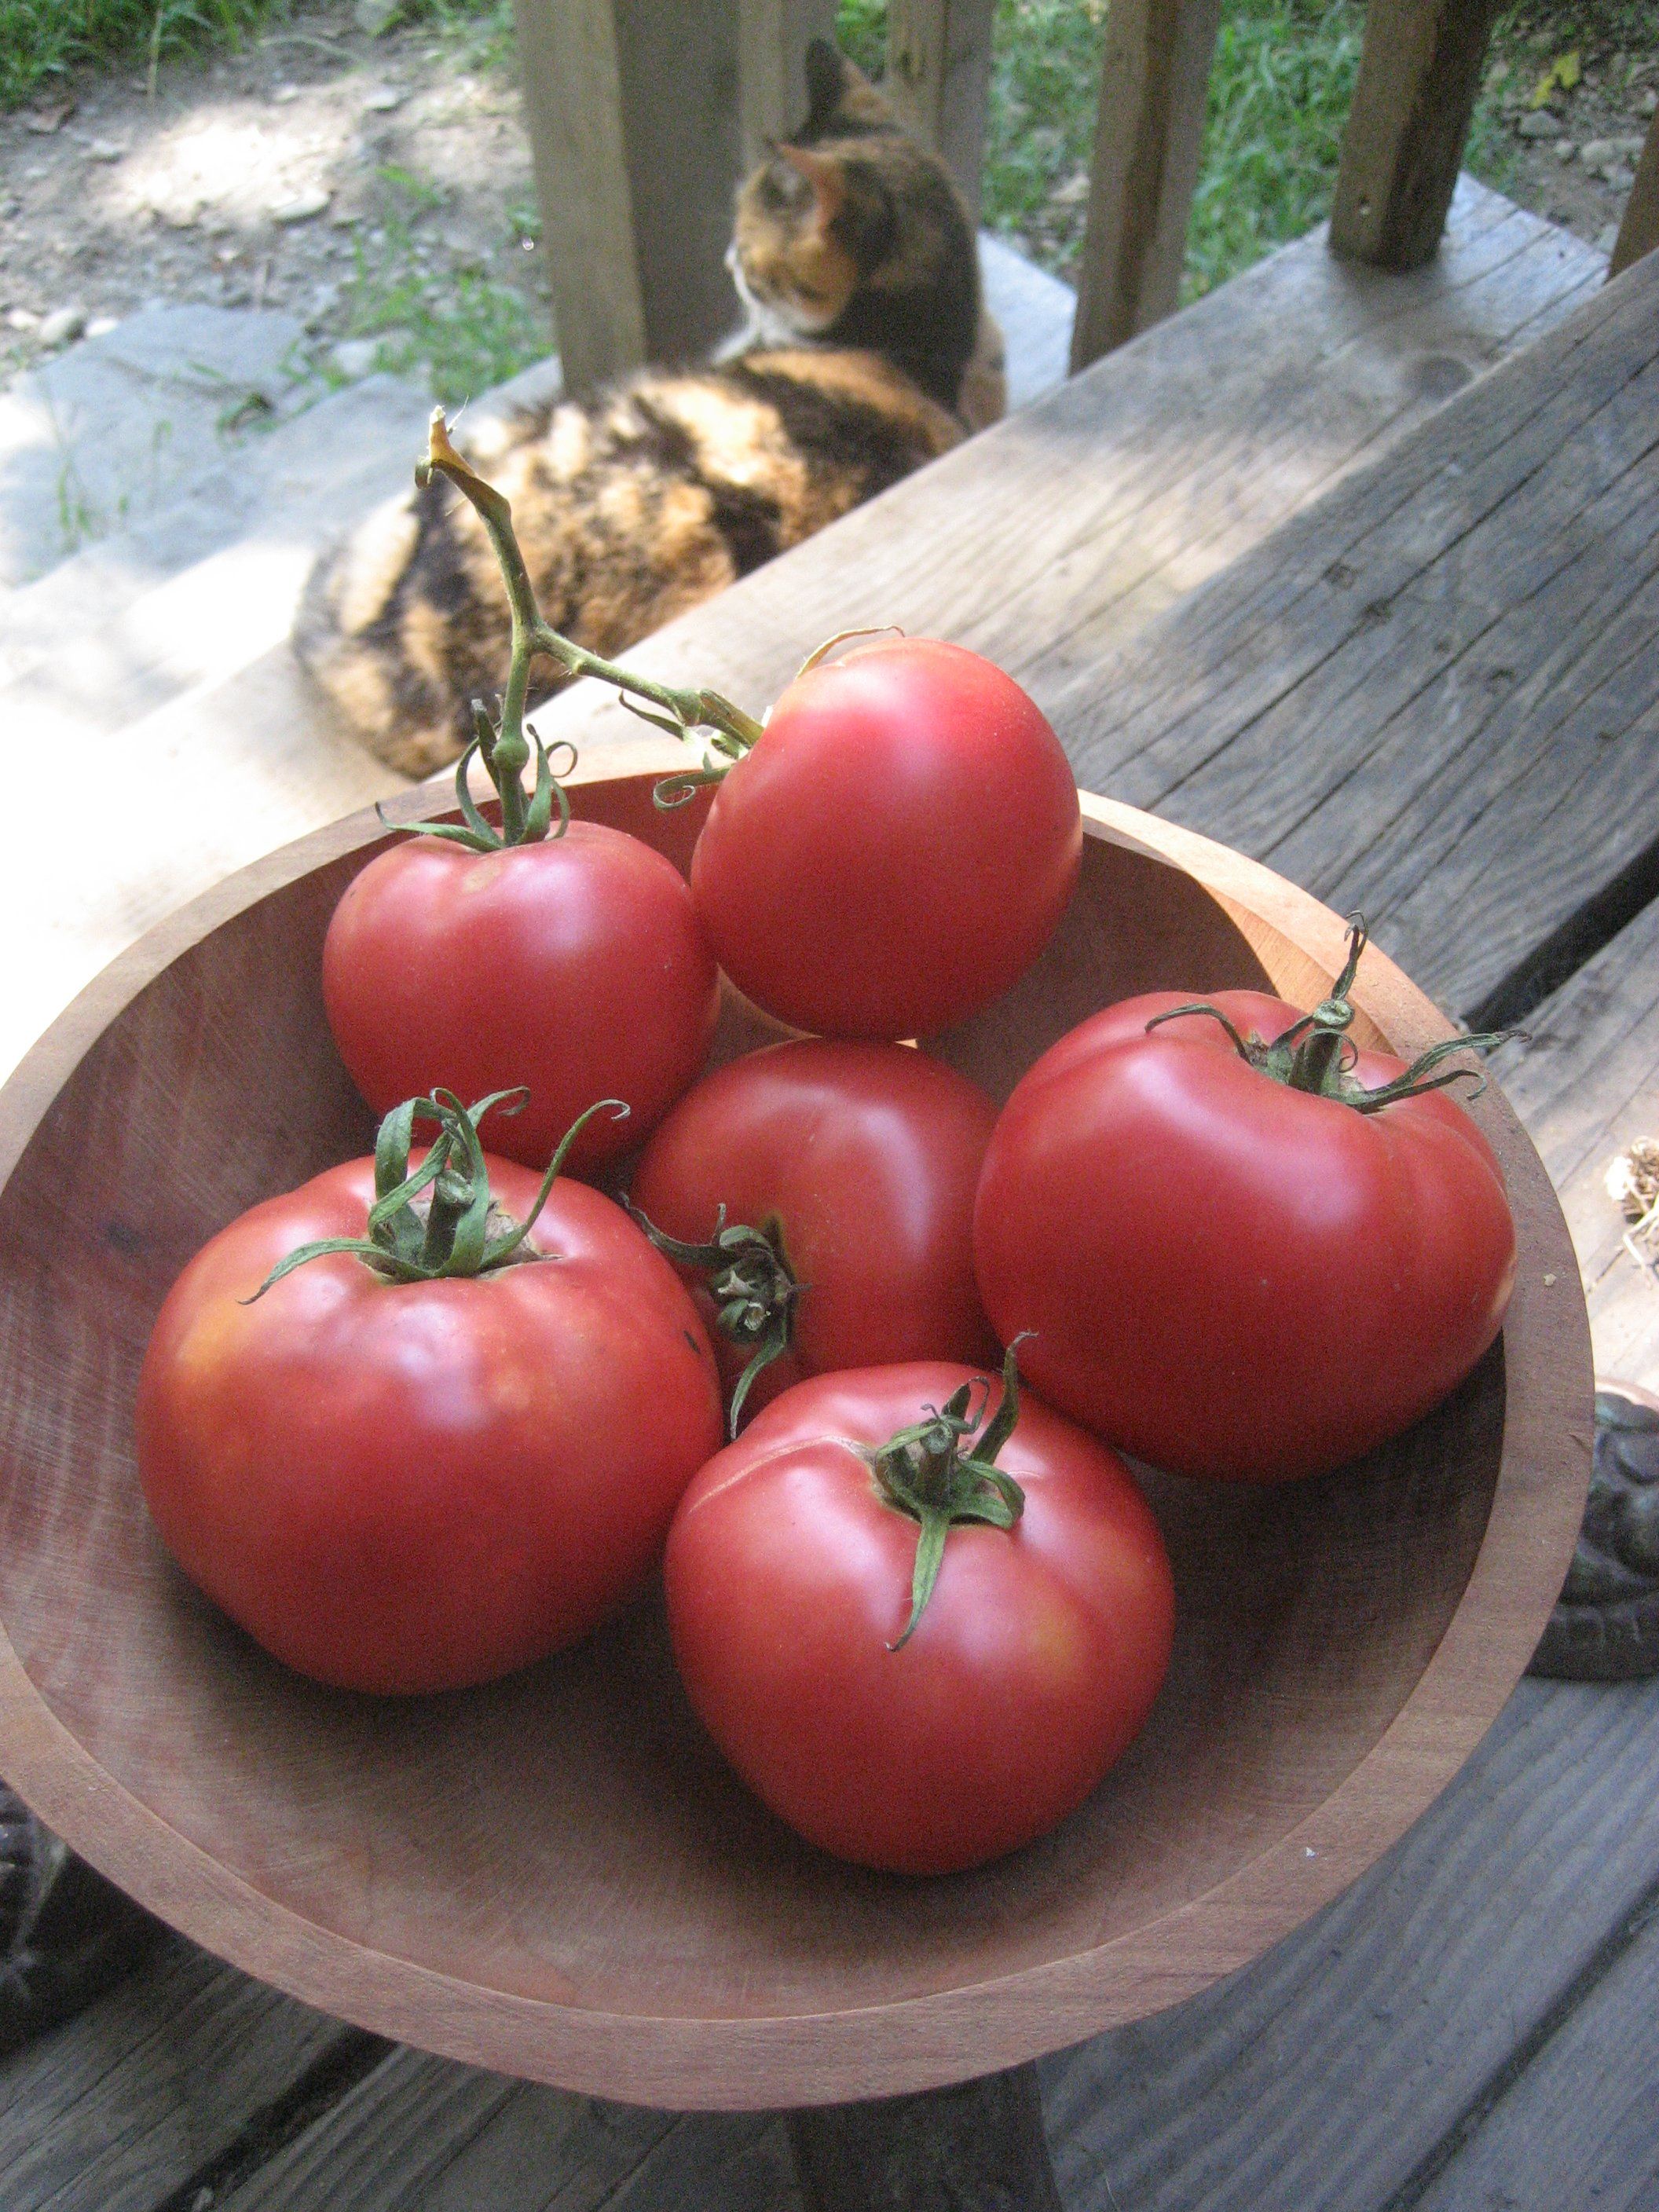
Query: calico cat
pixel 865 354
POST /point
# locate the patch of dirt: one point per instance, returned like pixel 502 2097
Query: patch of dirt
pixel 1574 157
pixel 353 181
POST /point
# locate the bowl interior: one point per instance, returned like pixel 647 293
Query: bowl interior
pixel 568 1834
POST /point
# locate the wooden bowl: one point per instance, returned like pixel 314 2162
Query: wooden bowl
pixel 557 1875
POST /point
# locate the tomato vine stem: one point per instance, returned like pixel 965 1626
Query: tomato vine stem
pixel 462 1231
pixel 1316 1055
pixel 751 1279
pixel 925 1472
pixel 504 745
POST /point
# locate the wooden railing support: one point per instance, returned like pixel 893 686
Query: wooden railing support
pixel 1419 71
pixel 773 36
pixel 1638 233
pixel 634 116
pixel 1155 78
pixel 938 79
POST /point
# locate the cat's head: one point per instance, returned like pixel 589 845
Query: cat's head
pixel 848 206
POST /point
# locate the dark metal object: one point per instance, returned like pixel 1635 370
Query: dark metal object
pixel 976 2147
pixel 66 1934
pixel 1606 1626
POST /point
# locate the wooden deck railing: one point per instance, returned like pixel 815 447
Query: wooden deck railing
pixel 644 113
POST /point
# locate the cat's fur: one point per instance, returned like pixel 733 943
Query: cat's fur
pixel 866 354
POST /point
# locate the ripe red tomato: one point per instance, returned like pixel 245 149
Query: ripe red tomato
pixel 855 1166
pixel 414 1485
pixel 1032 1666
pixel 576 966
pixel 897 847
pixel 1226 1275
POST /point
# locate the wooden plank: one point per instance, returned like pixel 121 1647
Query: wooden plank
pixel 1155 469
pixel 420 2131
pixel 1586 1084
pixel 1323 2077
pixel 1639 231
pixel 1154 85
pixel 124 2104
pixel 634 134
pixel 1419 71
pixel 773 36
pixel 1434 694
pixel 938 79
pixel 1575 2126
pixel 977 2143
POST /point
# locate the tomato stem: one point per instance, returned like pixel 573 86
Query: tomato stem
pixel 505 745
pixel 925 1472
pixel 750 1277
pixel 1316 1055
pixel 462 1231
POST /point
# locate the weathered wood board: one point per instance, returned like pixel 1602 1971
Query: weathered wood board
pixel 1433 696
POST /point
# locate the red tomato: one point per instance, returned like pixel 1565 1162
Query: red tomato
pixel 862 1160
pixel 576 966
pixel 1227 1276
pixel 1032 1666
pixel 404 1486
pixel 896 850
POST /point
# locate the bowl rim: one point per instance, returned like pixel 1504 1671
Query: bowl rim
pixel 927 2039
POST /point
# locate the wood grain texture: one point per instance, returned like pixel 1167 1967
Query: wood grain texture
pixel 938 79
pixel 120 2107
pixel 978 2146
pixel 1323 2078
pixel 622 1918
pixel 1155 76
pixel 1586 1083
pixel 1435 693
pixel 420 2131
pixel 1575 2125
pixel 1420 71
pixel 1639 230
pixel 773 36
pixel 634 118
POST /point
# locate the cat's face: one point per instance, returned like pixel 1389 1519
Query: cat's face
pixel 793 268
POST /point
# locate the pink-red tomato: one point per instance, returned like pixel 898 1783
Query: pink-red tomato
pixel 896 850
pixel 1226 1276
pixel 404 1486
pixel 865 1159
pixel 576 967
pixel 1032 1668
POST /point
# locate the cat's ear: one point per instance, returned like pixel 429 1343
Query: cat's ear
pixel 826 69
pixel 839 95
pixel 827 178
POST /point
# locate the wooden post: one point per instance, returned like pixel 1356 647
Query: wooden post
pixel 1638 233
pixel 633 111
pixel 1155 76
pixel 938 79
pixel 1419 71
pixel 978 2146
pixel 773 39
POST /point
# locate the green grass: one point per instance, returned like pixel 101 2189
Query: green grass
pixel 472 331
pixel 1279 91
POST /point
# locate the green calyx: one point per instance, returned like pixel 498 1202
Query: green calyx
pixel 936 1474
pixel 503 743
pixel 750 1275
pixel 1316 1055
pixel 440 1218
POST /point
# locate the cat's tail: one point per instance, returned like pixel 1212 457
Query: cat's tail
pixel 377 630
